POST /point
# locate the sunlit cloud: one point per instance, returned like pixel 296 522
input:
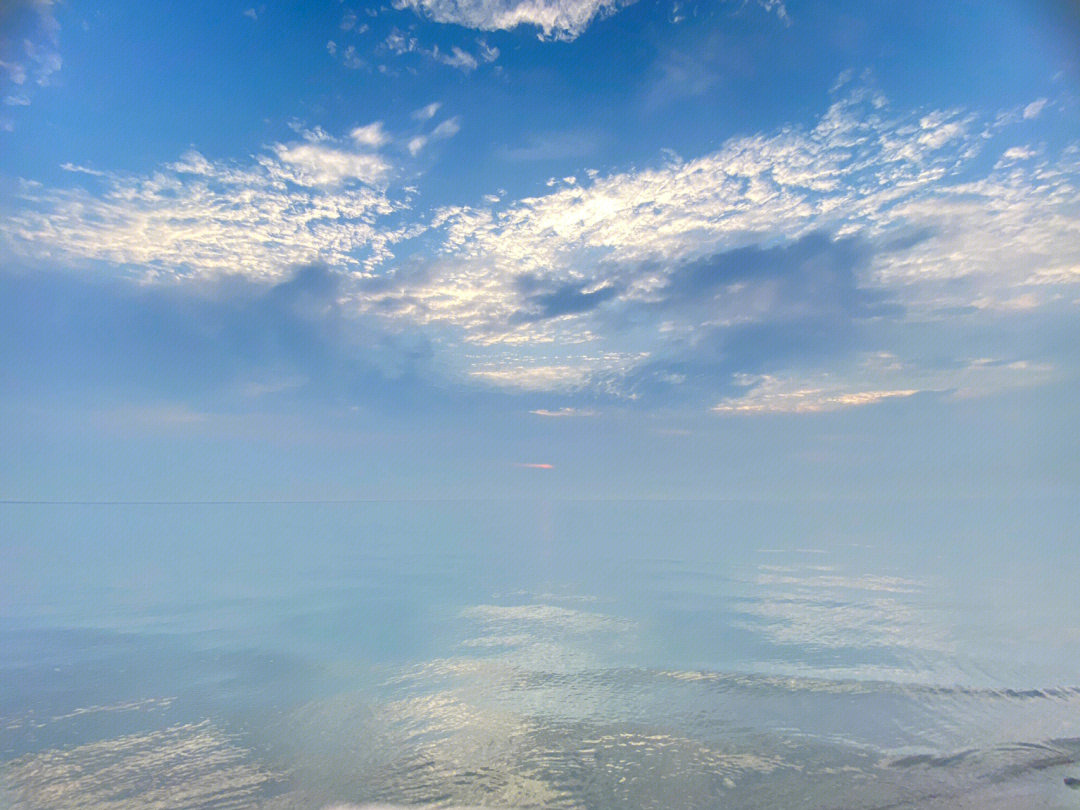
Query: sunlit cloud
pixel 311 200
pixel 771 396
pixel 565 20
pixel 914 215
pixel 563 412
pixel 854 388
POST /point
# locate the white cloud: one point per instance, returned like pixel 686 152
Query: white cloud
pixel 1001 240
pixel 566 377
pixel 457 58
pixel 427 112
pixel 29 51
pixel 309 164
pixel 371 135
pixel 351 59
pixel 1015 153
pixel 15 72
pixel 398 43
pixel 1033 109
pixel 599 370
pixel 556 19
pixel 563 412
pixel 487 53
pixel 348 21
pixel 297 203
pixel 71 167
pixel 855 173
pixel 448 128
pixel 943 232
pixel 770 395
pixel 876 381
pixel 777 7
pixel 416 144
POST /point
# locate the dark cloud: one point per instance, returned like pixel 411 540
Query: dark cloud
pixel 812 277
pixel 566 299
pixel 59 333
pixel 762 309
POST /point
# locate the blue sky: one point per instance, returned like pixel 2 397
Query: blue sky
pixel 577 248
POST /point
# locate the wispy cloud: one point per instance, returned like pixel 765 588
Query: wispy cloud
pixel 29 52
pixel 427 112
pixel 563 412
pixel 399 43
pixel 602 371
pixel 774 396
pixel 873 382
pixel 552 146
pixel 1033 109
pixel 446 129
pixel 295 203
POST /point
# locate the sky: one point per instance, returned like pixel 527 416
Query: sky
pixel 727 249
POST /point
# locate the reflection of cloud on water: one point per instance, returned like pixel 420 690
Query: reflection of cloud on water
pixel 194 765
pixel 792 575
pixel 456 734
pixel 31 720
pixel 886 623
pixel 544 636
pixel 454 749
pixel 531 715
pixel 447 750
pixel 532 710
pixel 816 607
pixel 543 615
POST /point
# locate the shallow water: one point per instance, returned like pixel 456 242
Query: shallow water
pixel 586 655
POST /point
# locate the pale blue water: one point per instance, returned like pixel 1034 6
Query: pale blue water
pixel 578 655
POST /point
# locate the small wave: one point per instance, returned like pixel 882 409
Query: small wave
pixel 799 683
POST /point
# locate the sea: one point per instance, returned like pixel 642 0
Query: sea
pixel 540 654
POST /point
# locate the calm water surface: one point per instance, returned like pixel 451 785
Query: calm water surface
pixel 577 655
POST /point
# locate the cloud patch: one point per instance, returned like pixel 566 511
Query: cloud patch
pixel 197 344
pixel 29 52
pixel 556 19
pixel 566 299
pixel 317 199
pixel 773 255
